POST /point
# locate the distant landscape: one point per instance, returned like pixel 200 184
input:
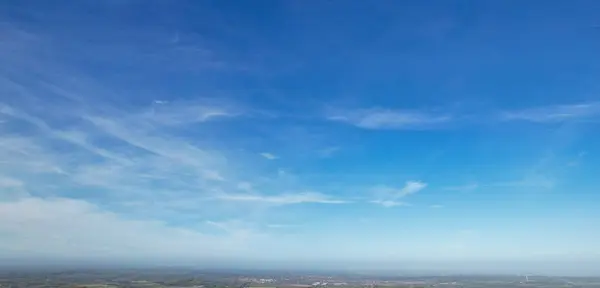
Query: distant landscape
pixel 154 278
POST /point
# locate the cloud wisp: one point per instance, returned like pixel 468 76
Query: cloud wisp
pixel 389 196
pixel 268 156
pixel 397 119
pixel 389 203
pixel 180 113
pixel 283 199
pixel 383 119
pixel 556 113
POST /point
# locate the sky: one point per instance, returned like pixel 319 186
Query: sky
pixel 457 135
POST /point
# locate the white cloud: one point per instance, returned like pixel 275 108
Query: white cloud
pixel 65 132
pixel 66 228
pixel 283 199
pixel 389 203
pixel 389 119
pixel 532 180
pixel 556 113
pixel 436 206
pixel 74 137
pixel 268 156
pixel 134 163
pixel 379 118
pixel 19 154
pixel 186 113
pixel 410 187
pixel 387 196
pixel 145 156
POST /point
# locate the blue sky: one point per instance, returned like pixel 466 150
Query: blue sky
pixel 353 134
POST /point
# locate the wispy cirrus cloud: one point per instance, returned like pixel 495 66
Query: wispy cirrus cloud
pixel 389 196
pixel 140 142
pixel 283 199
pixel 76 136
pixel 166 113
pixel 398 119
pixel 281 226
pixel 528 181
pixel 128 160
pixel 389 203
pixel 268 156
pixel 555 113
pixel 378 118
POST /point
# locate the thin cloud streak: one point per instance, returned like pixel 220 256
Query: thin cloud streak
pixel 268 156
pixel 389 203
pixel 388 119
pixel 394 119
pixel 283 199
pixel 556 113
pixel 388 196
pixel 538 181
pixel 183 113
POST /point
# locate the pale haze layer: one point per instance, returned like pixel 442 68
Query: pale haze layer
pixel 425 135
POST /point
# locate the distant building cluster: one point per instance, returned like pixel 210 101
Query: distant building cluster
pixel 322 284
pixel 258 280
